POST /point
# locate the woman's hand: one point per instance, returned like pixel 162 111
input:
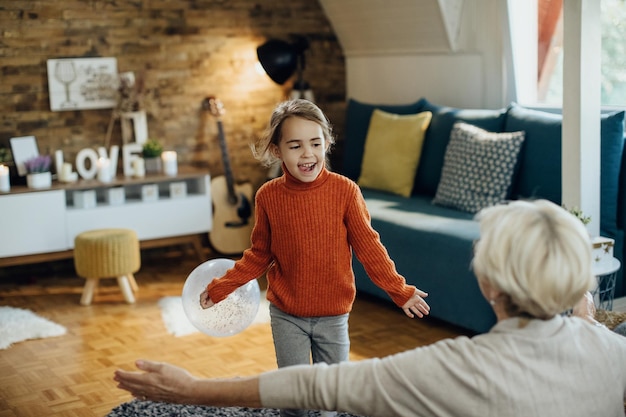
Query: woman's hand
pixel 158 382
pixel 205 300
pixel 416 306
pixel 168 383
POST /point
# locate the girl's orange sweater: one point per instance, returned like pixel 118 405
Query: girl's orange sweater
pixel 303 237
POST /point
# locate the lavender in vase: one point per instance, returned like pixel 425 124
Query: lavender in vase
pixel 39 163
pixel 38 171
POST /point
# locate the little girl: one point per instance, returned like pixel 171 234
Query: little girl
pixel 307 223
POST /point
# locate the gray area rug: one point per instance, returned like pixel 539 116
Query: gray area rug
pixel 138 408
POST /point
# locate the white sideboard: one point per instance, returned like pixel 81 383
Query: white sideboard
pixel 45 221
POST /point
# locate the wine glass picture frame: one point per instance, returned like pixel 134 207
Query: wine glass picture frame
pixel 82 83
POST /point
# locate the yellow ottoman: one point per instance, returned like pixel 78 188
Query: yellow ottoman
pixel 107 253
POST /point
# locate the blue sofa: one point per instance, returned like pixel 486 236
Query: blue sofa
pixel 432 244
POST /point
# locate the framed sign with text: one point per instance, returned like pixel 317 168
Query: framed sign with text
pixel 82 83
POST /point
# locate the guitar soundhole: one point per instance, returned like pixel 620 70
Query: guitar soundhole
pixel 244 211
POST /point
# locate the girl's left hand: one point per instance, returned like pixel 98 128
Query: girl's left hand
pixel 205 300
pixel 416 306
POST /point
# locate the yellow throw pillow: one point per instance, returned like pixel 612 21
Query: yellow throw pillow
pixel 392 151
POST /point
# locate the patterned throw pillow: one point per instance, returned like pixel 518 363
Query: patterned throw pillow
pixel 478 167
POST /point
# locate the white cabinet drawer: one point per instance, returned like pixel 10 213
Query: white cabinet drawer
pixel 32 223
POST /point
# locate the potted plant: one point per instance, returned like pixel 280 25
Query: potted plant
pixel 578 213
pixel 6 159
pixel 603 247
pixel 38 173
pixel 5 155
pixel 151 152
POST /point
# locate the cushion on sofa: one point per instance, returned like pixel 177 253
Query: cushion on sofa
pixel 358 116
pixel 540 159
pixel 392 150
pixel 611 150
pixel 478 167
pixel 438 136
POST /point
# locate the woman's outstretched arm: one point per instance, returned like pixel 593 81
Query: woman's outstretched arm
pixel 168 383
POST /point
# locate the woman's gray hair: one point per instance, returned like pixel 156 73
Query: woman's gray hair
pixel 537 254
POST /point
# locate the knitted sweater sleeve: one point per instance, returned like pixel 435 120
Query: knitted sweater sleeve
pixel 252 264
pixel 370 251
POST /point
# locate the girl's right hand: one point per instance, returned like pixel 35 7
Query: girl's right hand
pixel 205 300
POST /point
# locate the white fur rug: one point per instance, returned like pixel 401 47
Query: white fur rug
pixel 17 325
pixel 176 321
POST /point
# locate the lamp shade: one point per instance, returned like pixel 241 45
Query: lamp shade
pixel 279 59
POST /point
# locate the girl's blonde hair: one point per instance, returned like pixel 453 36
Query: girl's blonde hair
pixel 273 134
pixel 537 254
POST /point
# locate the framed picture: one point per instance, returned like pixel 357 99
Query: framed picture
pixel 23 148
pixel 82 83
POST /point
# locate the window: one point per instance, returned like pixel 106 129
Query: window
pixel 550 52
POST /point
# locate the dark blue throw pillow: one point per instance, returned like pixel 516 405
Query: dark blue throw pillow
pixel 539 174
pixel 358 115
pixel 438 136
pixel 540 160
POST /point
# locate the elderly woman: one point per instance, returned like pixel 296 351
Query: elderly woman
pixel 533 261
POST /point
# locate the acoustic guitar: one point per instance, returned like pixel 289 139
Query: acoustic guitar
pixel 232 207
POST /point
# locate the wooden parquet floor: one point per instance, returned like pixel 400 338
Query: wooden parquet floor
pixel 71 375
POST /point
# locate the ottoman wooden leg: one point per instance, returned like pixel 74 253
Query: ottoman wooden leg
pixel 132 282
pixel 126 290
pixel 90 286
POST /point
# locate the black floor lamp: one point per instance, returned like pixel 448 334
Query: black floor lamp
pixel 281 59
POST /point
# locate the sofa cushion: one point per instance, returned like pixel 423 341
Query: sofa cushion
pixel 540 159
pixel 438 136
pixel 392 150
pixel 611 150
pixel 478 167
pixel 358 116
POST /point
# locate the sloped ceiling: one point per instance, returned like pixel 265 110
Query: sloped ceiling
pixel 370 27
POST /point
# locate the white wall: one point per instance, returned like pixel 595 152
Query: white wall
pixel 454 80
pixel 469 70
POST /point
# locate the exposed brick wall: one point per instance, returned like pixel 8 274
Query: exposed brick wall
pixel 184 50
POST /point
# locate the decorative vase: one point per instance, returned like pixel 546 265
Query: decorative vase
pixel 153 165
pixel 39 180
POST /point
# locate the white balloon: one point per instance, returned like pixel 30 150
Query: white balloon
pixel 228 317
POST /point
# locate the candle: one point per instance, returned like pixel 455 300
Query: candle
pixel 66 172
pixel 139 168
pixel 58 163
pixel 104 170
pixel 170 165
pixel 5 186
pixel 114 154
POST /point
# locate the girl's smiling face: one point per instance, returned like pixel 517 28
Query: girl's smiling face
pixel 302 148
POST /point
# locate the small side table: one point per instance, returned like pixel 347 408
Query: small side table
pixel 604 293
